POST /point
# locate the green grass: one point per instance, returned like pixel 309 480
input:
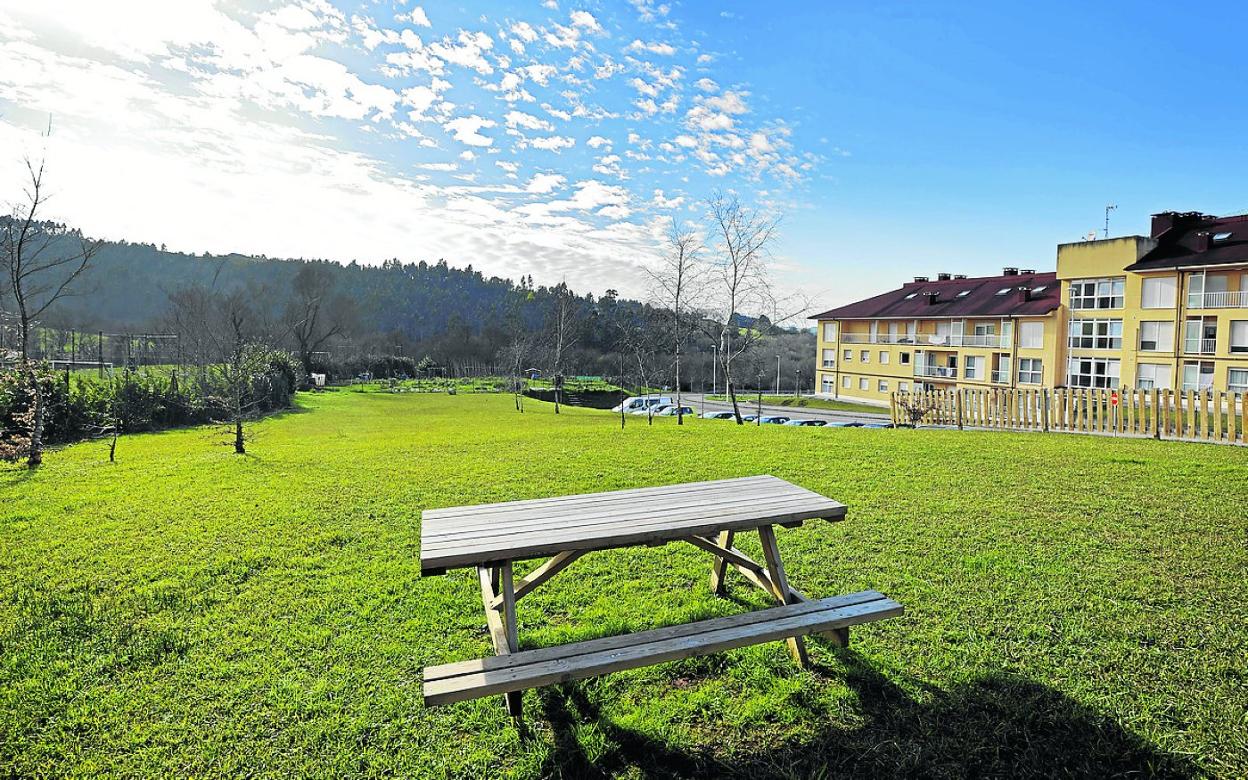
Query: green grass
pixel 803 401
pixel 1075 605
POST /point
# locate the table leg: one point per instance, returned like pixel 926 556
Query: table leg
pixel 775 570
pixel 720 567
pixel 507 584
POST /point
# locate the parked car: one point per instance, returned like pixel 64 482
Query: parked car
pixel 718 416
pixel 749 417
pixel 774 419
pixel 879 425
pixel 651 409
pixel 640 402
pixel 671 411
pixel 806 423
pixel 844 425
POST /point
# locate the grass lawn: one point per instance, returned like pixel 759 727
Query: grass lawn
pixel 745 399
pixel 1075 605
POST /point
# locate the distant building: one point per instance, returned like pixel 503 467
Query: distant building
pixel 1165 311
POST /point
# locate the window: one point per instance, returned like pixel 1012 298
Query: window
pixel 1198 375
pixel 903 387
pixel 846 382
pixel 848 355
pixel 1153 376
pixel 1093 372
pixel 973 367
pixel 904 357
pixel 1158 293
pixel 828 385
pixel 964 293
pixel 1095 334
pixel 829 331
pixel 864 383
pixel 1218 237
pixel 1237 380
pixel 883 357
pixel 829 358
pixel 1030 371
pixel 911 295
pixel 1097 293
pixel 864 356
pixel 882 386
pixel 1031 335
pixel 1040 289
pixel 1156 336
pixel 1200 335
pixel 1239 336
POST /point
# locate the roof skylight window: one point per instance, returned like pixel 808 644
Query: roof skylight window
pixel 964 293
pixel 911 295
pixel 1222 236
pixel 1004 291
pixel 1039 289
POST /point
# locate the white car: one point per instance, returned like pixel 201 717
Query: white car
pixel 634 404
pixel 718 416
pixel 670 411
pixel 654 409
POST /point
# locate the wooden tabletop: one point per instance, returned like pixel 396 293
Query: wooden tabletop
pixel 519 530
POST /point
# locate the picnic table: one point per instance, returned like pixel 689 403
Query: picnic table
pixel 708 515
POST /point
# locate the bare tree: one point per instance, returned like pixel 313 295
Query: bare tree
pixel 314 315
pixel 517 351
pixel 40 262
pixel 677 287
pixel 743 237
pixel 564 333
pixel 638 341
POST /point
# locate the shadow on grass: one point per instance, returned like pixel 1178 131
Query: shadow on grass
pixel 995 726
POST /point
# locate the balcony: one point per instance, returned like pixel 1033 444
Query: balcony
pixel 1000 377
pixel 1200 346
pixel 928 339
pixel 936 372
pixel 1218 300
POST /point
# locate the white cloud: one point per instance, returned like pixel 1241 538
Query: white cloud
pixel 528 121
pixel 663 49
pixel 450 166
pixel 524 31
pixel 543 183
pixel 465 130
pixel 707 85
pixel 729 103
pixel 586 20
pixel 706 59
pixel 598 142
pixel 467 51
pixel 554 143
pixel 416 16
pixel 609 165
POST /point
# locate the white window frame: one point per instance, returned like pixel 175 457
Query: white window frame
pixel 1102 378
pixel 1028 337
pixel 864 384
pixel 1158 333
pixel 847 382
pixel 1158 292
pixel 864 356
pixel 829 358
pixel 1147 375
pixel 1239 336
pixel 848 355
pixel 1095 333
pixel 882 386
pixel 1198 385
pixel 1240 386
pixel 972 367
pixel 827 384
pixel 829 331
pixel 1030 371
pixel 1105 293
pixel 884 357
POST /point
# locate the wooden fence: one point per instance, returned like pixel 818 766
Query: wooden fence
pixel 1161 414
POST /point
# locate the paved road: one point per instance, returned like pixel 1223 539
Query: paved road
pixel 804 412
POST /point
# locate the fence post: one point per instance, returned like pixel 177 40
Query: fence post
pixel 957 406
pixel 1044 409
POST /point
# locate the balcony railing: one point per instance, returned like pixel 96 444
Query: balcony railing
pixel 940 372
pixel 1001 377
pixel 928 339
pixel 1200 346
pixel 1218 300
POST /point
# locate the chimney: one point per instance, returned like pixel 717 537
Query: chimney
pixel 959 276
pixel 1202 241
pixel 920 278
pixel 1028 272
pixel 1009 272
pixel 1024 294
pixel 933 297
pixel 943 277
pixel 1161 223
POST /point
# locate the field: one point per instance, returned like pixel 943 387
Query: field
pixel 1076 605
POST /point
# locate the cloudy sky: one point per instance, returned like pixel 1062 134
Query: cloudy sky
pixel 553 137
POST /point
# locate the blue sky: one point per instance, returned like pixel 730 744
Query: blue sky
pixel 555 138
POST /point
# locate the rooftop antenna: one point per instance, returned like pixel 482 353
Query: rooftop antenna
pixel 1110 207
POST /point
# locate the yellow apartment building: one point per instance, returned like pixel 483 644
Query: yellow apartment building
pixel 1165 311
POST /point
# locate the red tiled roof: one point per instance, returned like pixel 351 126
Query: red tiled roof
pixel 913 300
pixel 1187 240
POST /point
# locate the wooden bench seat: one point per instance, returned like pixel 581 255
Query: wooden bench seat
pixel 532 668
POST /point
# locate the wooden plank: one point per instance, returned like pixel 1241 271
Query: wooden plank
pixel 540 575
pixel 552 502
pixel 606 525
pixel 644 649
pixel 1219 430
pixel 729 554
pixel 657 532
pixel 498 634
pixel 1232 429
pixel 620 512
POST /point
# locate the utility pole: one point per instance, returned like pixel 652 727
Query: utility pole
pixel 777 375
